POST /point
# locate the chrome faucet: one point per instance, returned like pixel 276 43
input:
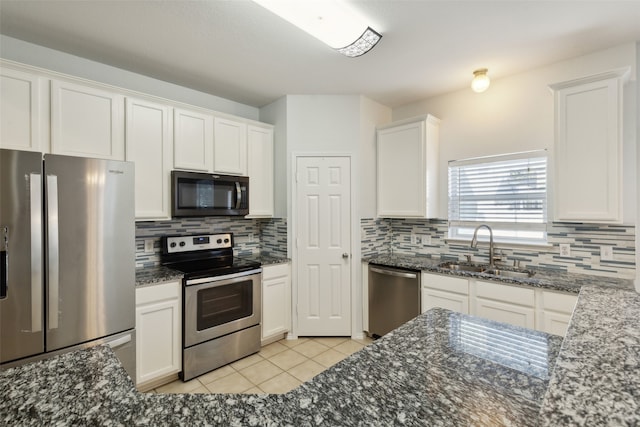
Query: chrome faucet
pixel 474 242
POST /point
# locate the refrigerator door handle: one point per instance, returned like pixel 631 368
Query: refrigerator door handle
pixel 53 264
pixel 4 263
pixel 35 205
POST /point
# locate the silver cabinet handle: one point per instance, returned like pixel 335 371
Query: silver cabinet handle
pixel 53 264
pixel 345 255
pixel 394 273
pixel 238 195
pixel 35 206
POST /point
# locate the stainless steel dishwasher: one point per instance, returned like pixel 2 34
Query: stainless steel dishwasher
pixel 394 298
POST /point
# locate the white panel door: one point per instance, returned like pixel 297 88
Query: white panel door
pixel 323 246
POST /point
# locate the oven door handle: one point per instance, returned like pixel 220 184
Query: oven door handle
pixel 222 280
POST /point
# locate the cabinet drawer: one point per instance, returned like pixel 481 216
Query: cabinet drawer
pixel 446 283
pixel 164 291
pixel 276 270
pixel 501 292
pixel 557 301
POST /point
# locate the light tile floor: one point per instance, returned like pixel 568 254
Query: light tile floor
pixel 277 368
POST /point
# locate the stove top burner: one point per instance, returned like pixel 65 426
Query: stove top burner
pixel 199 256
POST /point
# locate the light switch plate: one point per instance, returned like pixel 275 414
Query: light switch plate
pixel 148 246
pixel 565 249
pixel 606 253
pixel 426 239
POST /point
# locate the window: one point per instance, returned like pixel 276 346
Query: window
pixel 508 192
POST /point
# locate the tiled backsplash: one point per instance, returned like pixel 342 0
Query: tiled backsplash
pixel 394 236
pixel 250 235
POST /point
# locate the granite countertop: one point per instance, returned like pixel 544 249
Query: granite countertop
pixel 440 368
pixel 545 279
pixel 148 276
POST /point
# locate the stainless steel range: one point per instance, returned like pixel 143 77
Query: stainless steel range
pixel 221 301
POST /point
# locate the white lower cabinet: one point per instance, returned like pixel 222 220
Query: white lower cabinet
pixel 447 292
pixel 276 301
pixel 158 329
pixel 554 311
pixel 504 303
pixel 540 309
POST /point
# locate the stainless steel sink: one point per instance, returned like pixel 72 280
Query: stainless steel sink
pixel 463 267
pixel 486 269
pixel 523 274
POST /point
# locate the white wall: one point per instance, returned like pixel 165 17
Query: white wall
pixel 516 114
pixel 54 60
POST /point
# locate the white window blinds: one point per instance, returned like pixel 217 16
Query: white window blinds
pixel 508 192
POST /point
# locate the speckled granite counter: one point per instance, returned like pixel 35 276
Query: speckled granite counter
pixel 149 276
pixel 547 279
pixel 441 368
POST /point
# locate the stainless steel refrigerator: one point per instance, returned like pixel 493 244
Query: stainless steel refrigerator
pixel 67 245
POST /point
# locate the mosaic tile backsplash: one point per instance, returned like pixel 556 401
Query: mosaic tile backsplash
pixel 380 236
pixel 251 236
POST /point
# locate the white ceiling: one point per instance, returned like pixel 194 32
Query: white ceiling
pixel 237 50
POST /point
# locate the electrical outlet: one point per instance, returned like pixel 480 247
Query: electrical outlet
pixel 606 253
pixel 148 246
pixel 250 237
pixel 426 239
pixel 565 249
pixel 414 239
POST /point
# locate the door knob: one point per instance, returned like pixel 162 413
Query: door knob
pixel 345 255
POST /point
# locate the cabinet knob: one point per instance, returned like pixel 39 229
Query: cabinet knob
pixel 345 255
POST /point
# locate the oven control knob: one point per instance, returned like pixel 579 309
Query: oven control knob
pixel 219 241
pixel 182 244
pixel 173 244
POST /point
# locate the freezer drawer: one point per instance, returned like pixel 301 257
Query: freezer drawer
pixel 394 298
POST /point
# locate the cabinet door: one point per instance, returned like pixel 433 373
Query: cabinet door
pixel 588 152
pixel 260 168
pixel 148 145
pixel 432 298
pixel 276 300
pixel 230 147
pixel 554 311
pixel 554 322
pixel 86 121
pixel 193 140
pixel 24 114
pixel 158 325
pixel 504 303
pixel 401 165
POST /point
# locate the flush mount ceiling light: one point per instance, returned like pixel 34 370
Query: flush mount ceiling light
pixel 480 81
pixel 330 21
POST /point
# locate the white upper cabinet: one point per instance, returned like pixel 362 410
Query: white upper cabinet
pixel 193 140
pixel 588 148
pixel 408 168
pixel 86 121
pixel 149 146
pixel 230 147
pixel 24 111
pixel 260 169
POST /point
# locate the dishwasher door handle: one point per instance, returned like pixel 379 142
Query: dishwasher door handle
pixel 394 273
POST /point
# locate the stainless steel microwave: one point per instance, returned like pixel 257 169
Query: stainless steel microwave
pixel 204 194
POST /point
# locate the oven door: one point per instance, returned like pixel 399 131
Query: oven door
pixel 217 306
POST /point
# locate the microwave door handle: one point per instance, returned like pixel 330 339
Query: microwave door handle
pixel 238 195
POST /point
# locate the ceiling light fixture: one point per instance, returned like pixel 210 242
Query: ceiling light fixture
pixel 330 21
pixel 480 81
